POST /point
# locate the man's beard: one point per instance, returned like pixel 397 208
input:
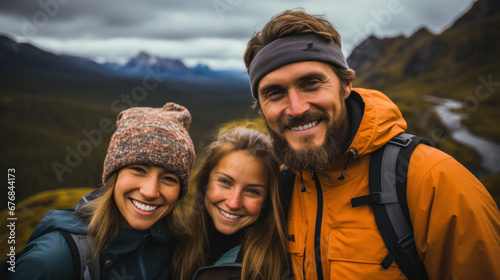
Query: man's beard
pixel 312 158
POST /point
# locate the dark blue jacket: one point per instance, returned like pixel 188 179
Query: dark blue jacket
pixel 134 255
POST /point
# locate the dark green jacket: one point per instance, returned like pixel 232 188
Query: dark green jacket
pixel 134 255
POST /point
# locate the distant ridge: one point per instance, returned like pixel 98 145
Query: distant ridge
pixel 26 60
pixel 470 45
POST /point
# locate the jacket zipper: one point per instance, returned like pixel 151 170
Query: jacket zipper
pixel 317 233
pixel 141 259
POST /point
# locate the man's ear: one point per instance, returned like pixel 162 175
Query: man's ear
pixel 347 89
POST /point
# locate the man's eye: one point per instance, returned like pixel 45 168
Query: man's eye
pixel 274 94
pixel 311 84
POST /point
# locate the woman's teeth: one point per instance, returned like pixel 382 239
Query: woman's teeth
pixel 227 215
pixel 303 127
pixel 144 207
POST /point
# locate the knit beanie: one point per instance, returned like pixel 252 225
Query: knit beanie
pixel 152 136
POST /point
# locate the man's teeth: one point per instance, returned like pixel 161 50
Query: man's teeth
pixel 227 215
pixel 305 126
pixel 144 207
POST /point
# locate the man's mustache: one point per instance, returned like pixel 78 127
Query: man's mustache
pixel 308 117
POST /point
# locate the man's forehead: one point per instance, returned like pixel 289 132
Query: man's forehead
pixel 295 72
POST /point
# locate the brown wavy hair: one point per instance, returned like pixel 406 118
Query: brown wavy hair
pixel 292 22
pixel 264 242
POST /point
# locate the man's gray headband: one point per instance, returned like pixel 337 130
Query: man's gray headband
pixel 290 49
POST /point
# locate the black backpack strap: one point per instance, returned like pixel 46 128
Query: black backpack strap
pixel 75 255
pixel 287 182
pixel 81 246
pixel 402 168
pixel 387 183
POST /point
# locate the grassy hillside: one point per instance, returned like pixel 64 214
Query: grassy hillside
pixel 461 64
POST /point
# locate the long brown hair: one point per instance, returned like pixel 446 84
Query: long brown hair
pixel 292 22
pixel 264 243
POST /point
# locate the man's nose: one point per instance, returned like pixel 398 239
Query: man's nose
pixel 297 105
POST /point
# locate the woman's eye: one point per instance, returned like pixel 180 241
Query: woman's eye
pixel 254 192
pixel 171 179
pixel 137 169
pixel 224 182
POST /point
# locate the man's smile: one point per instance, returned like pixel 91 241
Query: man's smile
pixel 304 127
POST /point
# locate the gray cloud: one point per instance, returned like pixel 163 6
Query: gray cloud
pixel 157 25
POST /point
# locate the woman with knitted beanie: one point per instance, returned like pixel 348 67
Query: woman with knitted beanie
pixel 236 228
pixel 129 221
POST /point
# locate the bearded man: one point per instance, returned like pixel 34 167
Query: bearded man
pixel 326 132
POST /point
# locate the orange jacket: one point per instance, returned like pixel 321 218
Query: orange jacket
pixel 456 222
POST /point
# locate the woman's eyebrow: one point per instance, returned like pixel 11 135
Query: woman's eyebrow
pixel 256 186
pixel 225 175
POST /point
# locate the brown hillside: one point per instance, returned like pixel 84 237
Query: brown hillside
pixel 461 63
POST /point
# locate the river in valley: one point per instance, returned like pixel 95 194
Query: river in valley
pixel 447 111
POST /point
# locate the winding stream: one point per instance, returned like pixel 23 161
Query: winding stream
pixel 487 149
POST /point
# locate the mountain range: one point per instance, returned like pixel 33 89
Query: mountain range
pixel 471 43
pixel 143 63
pixel 468 48
pixel 24 59
pixel 461 63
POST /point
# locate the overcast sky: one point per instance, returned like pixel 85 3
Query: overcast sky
pixel 211 32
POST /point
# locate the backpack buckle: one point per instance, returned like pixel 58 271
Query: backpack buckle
pixel 401 141
pixel 407 243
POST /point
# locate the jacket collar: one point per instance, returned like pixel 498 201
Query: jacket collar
pixel 381 120
pixel 159 232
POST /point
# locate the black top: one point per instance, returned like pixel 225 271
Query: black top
pixel 220 243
